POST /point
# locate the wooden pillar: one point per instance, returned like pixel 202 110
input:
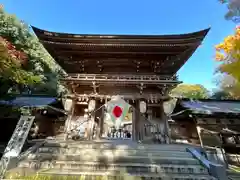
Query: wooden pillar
pixel 102 121
pixel 164 119
pixel 134 117
pixel 90 126
pixel 91 119
pixel 92 123
pixel 103 127
pixel 142 119
pixel 199 131
pixel 89 122
pixel 98 119
pixel 136 122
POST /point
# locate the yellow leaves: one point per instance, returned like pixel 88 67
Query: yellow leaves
pixel 228 52
pixel 194 91
pixel 219 56
pixel 229 46
pixel 219 46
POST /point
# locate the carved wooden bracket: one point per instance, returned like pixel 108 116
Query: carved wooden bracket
pixel 100 65
pixel 141 87
pixel 95 87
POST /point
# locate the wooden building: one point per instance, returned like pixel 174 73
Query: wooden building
pixel 135 67
pixel 48 112
pixel 215 121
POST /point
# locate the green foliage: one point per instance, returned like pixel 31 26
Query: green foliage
pixel 190 91
pixel 10 66
pixel 221 95
pixel 40 63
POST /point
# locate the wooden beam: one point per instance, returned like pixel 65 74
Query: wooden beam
pixel 153 97
pixel 145 45
pixel 113 51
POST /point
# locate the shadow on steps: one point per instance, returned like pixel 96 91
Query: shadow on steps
pixel 116 159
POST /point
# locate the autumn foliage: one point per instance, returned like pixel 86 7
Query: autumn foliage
pixel 192 91
pixel 11 64
pixel 228 49
pixel 25 60
pixel 228 54
pixel 19 57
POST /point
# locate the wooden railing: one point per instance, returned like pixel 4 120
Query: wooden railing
pixel 118 78
pixel 153 131
pixel 119 134
pixel 219 155
pixel 150 132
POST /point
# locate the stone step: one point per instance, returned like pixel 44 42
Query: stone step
pixel 115 145
pixel 116 152
pixel 234 177
pixel 112 158
pixel 123 167
pixel 129 176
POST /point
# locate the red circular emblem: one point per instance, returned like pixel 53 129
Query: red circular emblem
pixel 117 111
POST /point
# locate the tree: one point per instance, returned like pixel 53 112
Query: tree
pixel 228 56
pixel 220 95
pixel 192 91
pixel 11 68
pixel 233 10
pixel 40 63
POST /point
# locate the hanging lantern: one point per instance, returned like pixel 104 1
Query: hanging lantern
pixel 143 107
pixel 91 105
pixel 68 105
pixel 168 106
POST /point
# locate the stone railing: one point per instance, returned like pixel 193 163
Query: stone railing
pixel 216 170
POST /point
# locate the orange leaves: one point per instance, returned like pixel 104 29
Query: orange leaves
pixel 20 58
pixel 10 65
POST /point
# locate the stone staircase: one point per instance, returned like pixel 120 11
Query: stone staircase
pixel 113 158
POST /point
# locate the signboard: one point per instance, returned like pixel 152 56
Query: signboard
pixel 16 142
pixel 19 136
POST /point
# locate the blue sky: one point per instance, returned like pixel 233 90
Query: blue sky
pixel 135 17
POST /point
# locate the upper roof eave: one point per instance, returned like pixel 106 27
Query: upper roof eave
pixel 201 33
